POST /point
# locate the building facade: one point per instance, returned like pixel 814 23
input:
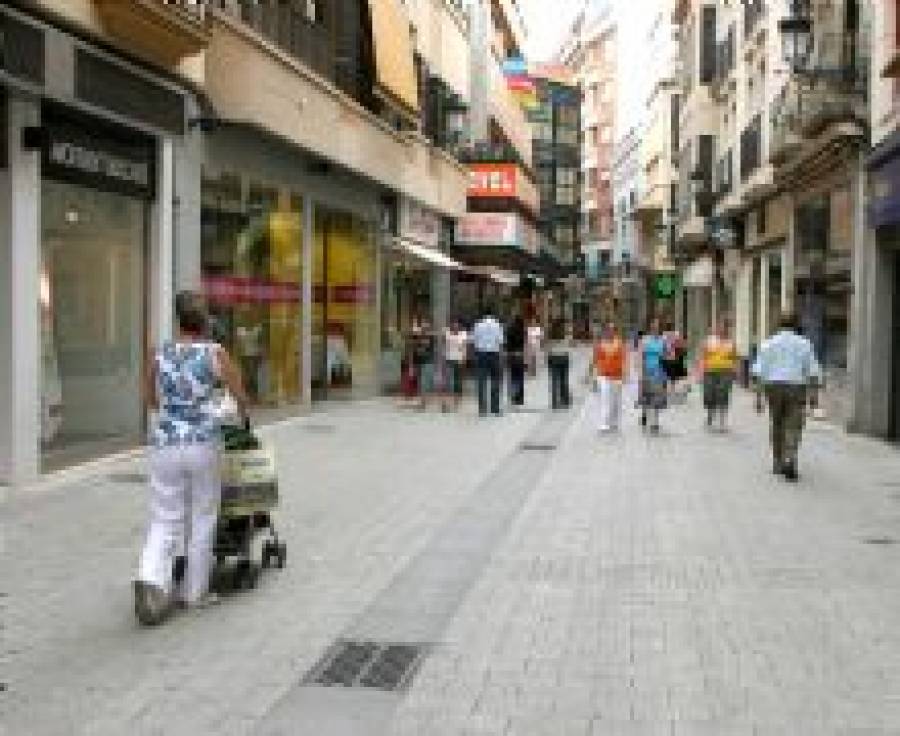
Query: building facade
pixel 782 103
pixel 294 162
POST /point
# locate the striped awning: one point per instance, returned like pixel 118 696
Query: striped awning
pixel 395 72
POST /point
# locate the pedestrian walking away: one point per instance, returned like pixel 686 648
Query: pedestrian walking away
pixel 718 364
pixel 184 462
pixel 558 363
pixel 515 356
pixel 487 341
pixel 675 363
pixel 786 369
pixel 653 382
pixel 456 341
pixel 534 346
pixel 609 368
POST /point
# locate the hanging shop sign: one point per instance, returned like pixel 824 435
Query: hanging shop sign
pixel 665 285
pixel 94 153
pixel 420 224
pixel 487 228
pixel 492 180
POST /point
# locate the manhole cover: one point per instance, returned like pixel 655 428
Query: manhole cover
pixel 536 447
pixel 883 541
pixel 132 478
pixel 319 428
pixel 367 664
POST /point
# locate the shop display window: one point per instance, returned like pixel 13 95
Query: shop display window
pixel 251 260
pixel 345 344
pixel 91 300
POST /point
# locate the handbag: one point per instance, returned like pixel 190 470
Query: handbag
pixel 223 407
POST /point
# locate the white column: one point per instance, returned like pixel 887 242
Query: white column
pixel 20 352
pixel 743 305
pixel 763 296
pixel 187 240
pixel 788 261
pixel 306 301
pixel 162 264
pixel 861 325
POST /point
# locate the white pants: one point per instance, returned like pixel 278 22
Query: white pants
pixel 608 398
pixel 185 490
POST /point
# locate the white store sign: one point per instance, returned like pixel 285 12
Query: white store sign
pixel 419 224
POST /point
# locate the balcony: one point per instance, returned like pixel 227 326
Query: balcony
pixel 754 15
pixel 167 31
pixel 506 112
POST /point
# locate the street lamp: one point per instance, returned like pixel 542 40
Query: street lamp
pixel 796 35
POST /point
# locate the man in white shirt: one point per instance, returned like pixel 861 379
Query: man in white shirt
pixel 456 342
pixel 787 368
pixel 487 339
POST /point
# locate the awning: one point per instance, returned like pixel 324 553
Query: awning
pixel 395 72
pixel 427 254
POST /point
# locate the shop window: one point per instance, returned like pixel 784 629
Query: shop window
pixel 566 186
pixel 251 261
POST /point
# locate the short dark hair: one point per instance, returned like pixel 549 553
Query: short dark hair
pixel 789 321
pixel 190 311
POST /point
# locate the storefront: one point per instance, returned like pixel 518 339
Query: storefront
pixel 273 227
pixel 416 284
pixel 881 417
pixel 96 191
pixel 823 265
pixel 87 225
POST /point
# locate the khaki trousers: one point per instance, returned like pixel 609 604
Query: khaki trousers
pixel 787 415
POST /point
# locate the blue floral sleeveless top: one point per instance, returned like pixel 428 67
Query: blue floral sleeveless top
pixel 185 379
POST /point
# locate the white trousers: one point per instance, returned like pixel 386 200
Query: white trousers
pixel 184 504
pixel 608 403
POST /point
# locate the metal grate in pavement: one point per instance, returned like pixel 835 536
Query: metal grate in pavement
pixel 537 447
pixel 366 664
pixel 882 541
pixel 130 478
pixel 320 428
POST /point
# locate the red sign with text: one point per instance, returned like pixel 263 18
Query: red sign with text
pixel 492 180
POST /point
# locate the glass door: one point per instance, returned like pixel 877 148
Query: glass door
pixel 92 293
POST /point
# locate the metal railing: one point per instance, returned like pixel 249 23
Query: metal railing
pixel 754 11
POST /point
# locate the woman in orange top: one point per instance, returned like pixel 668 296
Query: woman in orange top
pixel 718 365
pixel 610 356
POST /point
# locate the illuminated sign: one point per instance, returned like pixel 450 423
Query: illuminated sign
pixel 492 180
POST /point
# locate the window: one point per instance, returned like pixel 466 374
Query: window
pixel 708 46
pixel 761 219
pixel 566 185
pixel 567 117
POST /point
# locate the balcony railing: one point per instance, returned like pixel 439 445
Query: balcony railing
pixel 751 148
pixel 754 11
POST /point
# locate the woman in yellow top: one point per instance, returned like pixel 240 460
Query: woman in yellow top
pixel 719 362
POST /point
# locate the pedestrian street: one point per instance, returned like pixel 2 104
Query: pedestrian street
pixel 550 581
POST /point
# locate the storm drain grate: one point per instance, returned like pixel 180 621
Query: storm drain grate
pixel 883 541
pixel 367 664
pixel 536 447
pixel 320 428
pixel 130 478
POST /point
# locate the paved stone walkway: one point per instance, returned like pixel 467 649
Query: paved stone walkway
pixel 646 585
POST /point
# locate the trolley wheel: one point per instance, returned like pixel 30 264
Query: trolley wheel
pixel 281 555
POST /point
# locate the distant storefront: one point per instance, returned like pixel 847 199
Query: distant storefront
pixel 259 209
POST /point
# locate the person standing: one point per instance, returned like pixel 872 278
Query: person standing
pixel 653 382
pixel 718 365
pixel 786 369
pixel 184 461
pixel 610 356
pixel 487 341
pixel 533 348
pixel 456 342
pixel 515 355
pixel 422 340
pixel 558 362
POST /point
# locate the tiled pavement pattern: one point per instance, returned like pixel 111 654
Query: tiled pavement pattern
pixel 648 586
